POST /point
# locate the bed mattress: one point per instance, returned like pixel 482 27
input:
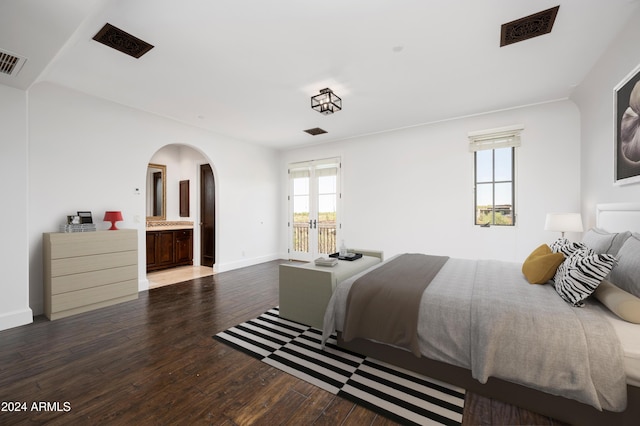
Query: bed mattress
pixel 629 335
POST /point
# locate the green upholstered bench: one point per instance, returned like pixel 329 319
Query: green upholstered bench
pixel 305 289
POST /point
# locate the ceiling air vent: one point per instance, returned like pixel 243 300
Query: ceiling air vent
pixel 10 64
pixel 315 131
pixel 120 40
pixel 528 27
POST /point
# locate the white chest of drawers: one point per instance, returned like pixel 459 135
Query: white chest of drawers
pixel 89 270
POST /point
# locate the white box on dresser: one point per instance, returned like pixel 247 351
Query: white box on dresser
pixel 88 270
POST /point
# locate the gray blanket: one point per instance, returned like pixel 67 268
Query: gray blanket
pixel 484 316
pixel 389 313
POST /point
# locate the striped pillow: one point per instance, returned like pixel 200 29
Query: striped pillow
pixel 580 274
pixel 566 247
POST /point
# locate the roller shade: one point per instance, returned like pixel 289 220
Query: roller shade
pixel 503 137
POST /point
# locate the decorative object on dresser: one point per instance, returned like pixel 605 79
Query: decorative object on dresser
pixel 169 244
pixel 85 217
pixel 563 222
pixel 113 217
pixel 86 271
pixel 75 224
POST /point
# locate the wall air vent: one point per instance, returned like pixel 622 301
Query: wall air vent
pixel 120 40
pixel 315 131
pixel 528 27
pixel 10 64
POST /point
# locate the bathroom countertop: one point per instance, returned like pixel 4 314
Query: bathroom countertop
pixel 169 225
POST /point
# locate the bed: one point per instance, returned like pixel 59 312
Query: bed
pixel 470 331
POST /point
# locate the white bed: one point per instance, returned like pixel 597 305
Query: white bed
pixel 610 217
pixel 620 217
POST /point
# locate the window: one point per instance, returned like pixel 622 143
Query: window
pixel 494 175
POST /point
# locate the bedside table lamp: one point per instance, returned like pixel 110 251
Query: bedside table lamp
pixel 113 217
pixel 563 222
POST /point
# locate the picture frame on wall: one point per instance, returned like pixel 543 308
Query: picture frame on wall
pixel 627 129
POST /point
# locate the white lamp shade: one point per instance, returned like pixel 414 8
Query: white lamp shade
pixel 563 222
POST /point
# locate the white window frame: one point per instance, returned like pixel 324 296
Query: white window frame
pixel 492 139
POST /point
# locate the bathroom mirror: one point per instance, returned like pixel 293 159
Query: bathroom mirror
pixel 156 192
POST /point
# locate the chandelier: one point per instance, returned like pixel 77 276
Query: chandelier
pixel 326 102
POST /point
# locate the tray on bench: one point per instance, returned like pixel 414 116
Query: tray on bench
pixel 337 255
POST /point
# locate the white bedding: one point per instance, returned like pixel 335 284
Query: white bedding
pixel 629 336
pixel 478 352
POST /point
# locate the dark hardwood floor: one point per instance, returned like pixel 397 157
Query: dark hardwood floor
pixel 154 361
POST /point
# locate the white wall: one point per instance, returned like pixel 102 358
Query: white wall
pixel 14 185
pixel 90 154
pixel 594 98
pixel 412 189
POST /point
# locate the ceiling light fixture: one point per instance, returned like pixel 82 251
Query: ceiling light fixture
pixel 326 102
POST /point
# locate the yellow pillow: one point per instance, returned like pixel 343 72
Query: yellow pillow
pixel 541 265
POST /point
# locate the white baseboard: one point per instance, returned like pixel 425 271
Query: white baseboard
pixel 143 284
pixel 237 264
pixel 16 318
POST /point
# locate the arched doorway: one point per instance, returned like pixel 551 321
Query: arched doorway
pixel 190 202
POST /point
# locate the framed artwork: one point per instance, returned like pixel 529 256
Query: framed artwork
pixel 85 217
pixel 627 129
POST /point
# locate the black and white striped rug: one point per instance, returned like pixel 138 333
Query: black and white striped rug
pixel 398 394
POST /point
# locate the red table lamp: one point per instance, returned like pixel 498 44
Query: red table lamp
pixel 113 217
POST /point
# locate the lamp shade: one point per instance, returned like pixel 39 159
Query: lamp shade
pixel 563 222
pixel 113 217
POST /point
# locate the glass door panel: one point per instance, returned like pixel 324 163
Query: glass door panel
pixel 313 206
pixel 300 223
pixel 327 210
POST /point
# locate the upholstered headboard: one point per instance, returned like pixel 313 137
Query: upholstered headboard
pixel 618 217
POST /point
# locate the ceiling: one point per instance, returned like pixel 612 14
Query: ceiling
pixel 247 68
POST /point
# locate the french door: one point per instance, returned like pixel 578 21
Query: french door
pixel 314 197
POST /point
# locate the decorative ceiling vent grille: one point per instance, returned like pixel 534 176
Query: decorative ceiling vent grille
pixel 528 27
pixel 315 131
pixel 120 40
pixel 10 64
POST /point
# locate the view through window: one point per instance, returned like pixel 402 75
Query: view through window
pixel 494 186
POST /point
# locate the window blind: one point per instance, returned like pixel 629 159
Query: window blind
pixel 503 137
pixel 299 173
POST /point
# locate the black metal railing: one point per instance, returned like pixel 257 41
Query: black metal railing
pixel 326 236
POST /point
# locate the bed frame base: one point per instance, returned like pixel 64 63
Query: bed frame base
pixel 557 407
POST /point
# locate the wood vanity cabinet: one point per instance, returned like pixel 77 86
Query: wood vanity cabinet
pixel 169 248
pixel 184 246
